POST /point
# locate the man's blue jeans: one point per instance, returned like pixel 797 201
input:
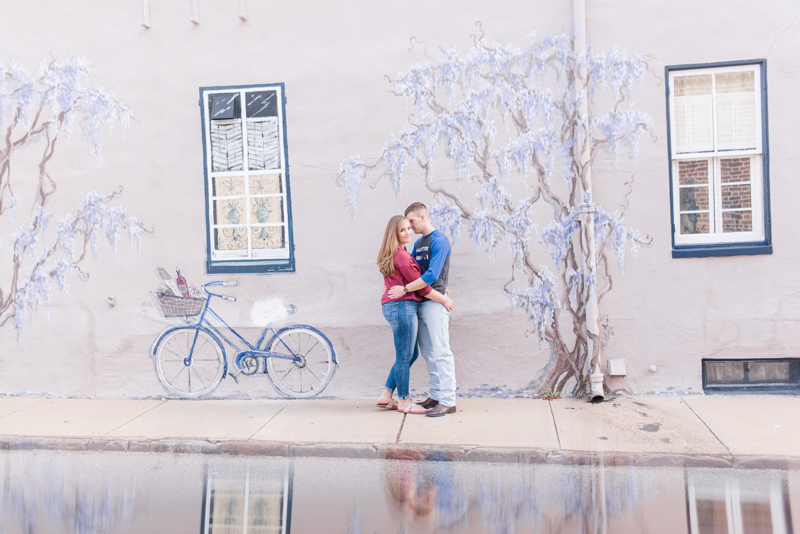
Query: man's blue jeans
pixel 402 315
pixel 434 343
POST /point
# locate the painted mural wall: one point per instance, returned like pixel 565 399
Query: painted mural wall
pixel 663 312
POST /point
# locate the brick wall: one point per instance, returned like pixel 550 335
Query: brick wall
pixel 737 221
pixel 736 82
pixel 734 170
pixel 693 172
pixel 736 195
pixel 693 85
pixel 694 223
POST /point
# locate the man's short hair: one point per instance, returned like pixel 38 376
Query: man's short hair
pixel 416 207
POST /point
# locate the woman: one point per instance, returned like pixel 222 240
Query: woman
pixel 399 268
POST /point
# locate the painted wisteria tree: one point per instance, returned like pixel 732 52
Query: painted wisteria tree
pixel 44 248
pixel 509 120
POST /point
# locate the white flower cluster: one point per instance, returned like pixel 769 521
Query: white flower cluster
pixel 58 95
pixel 532 93
pixel 94 219
pixel 538 301
pixel 446 218
pixel 39 108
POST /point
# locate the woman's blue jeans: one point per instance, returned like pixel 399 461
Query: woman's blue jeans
pixel 402 315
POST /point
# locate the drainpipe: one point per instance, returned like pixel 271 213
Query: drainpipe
pixel 587 208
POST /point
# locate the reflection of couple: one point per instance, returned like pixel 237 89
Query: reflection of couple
pixel 426 493
pixel 416 306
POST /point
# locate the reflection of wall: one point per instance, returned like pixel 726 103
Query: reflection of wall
pixel 467 497
pixel 123 493
pixel 133 493
pixel 665 312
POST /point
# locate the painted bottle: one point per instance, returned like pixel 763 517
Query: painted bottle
pixel 183 287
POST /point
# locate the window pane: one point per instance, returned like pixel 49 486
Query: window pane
pixel 736 196
pixel 227 186
pixel 265 510
pixel 268 237
pixel 229 211
pixel 231 238
pixel 266 184
pixel 266 210
pixel 737 221
pixel 734 170
pixel 694 223
pixel 756 518
pixel 693 116
pixel 694 198
pixel 262 144
pixel 693 172
pixel 712 517
pixel 265 506
pixel 227 151
pixel 224 106
pixel 721 372
pixel 736 111
pixel 227 508
pixel 780 372
pixel 262 104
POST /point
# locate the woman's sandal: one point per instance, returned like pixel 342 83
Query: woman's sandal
pixel 391 405
pixel 413 409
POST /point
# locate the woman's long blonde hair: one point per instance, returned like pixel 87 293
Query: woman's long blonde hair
pixel 389 246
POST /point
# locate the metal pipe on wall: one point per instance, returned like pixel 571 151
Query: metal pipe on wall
pixel 583 149
pixel 195 12
pixel 146 10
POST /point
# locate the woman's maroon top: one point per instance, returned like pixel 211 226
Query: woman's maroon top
pixel 406 270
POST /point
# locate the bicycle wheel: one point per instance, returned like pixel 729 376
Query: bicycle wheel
pixel 202 375
pixel 309 376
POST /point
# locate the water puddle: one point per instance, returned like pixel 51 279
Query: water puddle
pixel 87 493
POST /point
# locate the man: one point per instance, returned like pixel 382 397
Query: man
pixel 432 253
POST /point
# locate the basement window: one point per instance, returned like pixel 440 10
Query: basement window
pixel 779 375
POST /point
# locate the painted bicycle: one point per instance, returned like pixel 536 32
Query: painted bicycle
pixel 191 359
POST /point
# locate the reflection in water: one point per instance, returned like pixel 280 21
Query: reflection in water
pixel 125 493
pixel 246 501
pixel 41 493
pixel 501 499
pixel 738 503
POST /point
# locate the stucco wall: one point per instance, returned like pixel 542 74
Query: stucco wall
pixel 332 57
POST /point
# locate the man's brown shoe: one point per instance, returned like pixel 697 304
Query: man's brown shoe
pixel 440 410
pixel 429 403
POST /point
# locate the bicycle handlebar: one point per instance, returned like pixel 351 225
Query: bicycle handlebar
pixel 220 283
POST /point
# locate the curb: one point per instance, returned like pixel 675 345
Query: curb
pixel 401 452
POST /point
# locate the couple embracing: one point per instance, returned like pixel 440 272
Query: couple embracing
pixel 415 304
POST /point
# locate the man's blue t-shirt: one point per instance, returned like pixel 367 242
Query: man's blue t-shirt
pixel 432 253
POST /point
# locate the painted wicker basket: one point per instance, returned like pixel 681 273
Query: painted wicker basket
pixel 173 306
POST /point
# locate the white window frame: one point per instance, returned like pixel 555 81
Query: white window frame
pixel 717 485
pixel 248 259
pixel 214 480
pixel 716 236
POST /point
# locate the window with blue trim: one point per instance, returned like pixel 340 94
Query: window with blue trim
pixel 719 159
pixel 248 202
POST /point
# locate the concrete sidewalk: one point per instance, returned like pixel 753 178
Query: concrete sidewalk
pixel 694 430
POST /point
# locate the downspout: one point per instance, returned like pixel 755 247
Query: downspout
pixel 583 149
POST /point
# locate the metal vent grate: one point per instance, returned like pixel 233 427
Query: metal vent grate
pixel 779 375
